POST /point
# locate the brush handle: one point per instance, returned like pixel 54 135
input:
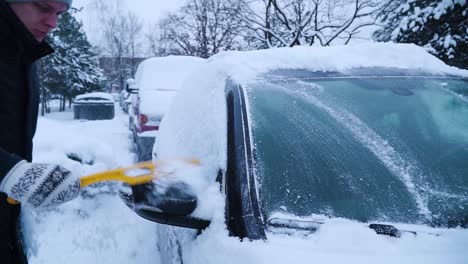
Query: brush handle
pixel 12 201
pixel 144 173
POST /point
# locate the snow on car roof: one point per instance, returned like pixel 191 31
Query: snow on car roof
pixel 243 66
pixel 165 73
pixel 106 96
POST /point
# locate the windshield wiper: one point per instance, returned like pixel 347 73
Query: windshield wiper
pixel 312 226
pixel 387 230
pixel 392 231
pixel 303 225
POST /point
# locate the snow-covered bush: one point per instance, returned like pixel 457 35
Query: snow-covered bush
pixel 441 26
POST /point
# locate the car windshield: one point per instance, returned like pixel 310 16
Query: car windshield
pixel 365 148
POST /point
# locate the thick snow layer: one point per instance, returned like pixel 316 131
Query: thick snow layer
pixel 155 103
pixel 158 78
pixel 106 96
pixel 195 126
pixel 165 73
pixel 97 227
pixel 243 66
pixel 340 241
pixel 196 129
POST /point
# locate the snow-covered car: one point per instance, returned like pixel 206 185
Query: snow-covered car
pixel 344 154
pixel 156 83
pixel 94 106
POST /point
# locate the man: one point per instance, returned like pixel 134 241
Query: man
pixel 23 26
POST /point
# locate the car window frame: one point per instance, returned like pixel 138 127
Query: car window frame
pixel 243 214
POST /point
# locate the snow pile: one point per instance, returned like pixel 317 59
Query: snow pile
pixel 90 97
pixel 97 227
pixel 105 143
pixel 195 127
pixel 98 230
pixel 156 103
pixel 165 73
pixel 244 66
pixel 158 78
pixel 190 172
pixel 337 241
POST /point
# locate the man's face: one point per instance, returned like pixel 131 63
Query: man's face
pixel 39 17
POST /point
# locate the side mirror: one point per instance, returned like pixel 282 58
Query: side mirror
pixel 131 86
pixel 171 205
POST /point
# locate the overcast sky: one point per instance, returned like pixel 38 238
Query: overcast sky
pixel 148 10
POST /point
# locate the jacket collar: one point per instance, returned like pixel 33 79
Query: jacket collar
pixel 33 50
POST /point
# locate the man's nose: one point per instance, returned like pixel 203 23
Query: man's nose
pixel 51 21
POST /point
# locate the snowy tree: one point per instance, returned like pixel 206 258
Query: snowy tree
pixel 122 42
pixel 441 26
pixel 390 19
pixel 73 69
pixel 287 23
pixel 201 28
pixel 158 41
pixel 135 42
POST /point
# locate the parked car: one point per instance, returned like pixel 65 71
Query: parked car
pixel 94 106
pixel 156 83
pixel 319 151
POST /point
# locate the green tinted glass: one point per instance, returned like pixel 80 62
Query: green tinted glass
pixel 370 149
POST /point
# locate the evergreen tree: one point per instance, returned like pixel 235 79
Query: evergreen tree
pixel 73 69
pixel 441 26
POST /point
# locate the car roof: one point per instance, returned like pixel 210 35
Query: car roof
pixel 243 66
pixel 165 73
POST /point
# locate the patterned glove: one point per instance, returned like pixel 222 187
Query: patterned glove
pixel 40 185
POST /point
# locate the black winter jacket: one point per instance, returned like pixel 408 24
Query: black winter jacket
pixel 19 103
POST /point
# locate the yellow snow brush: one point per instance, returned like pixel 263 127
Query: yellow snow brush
pixel 137 174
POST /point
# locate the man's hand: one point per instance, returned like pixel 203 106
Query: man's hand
pixel 40 185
